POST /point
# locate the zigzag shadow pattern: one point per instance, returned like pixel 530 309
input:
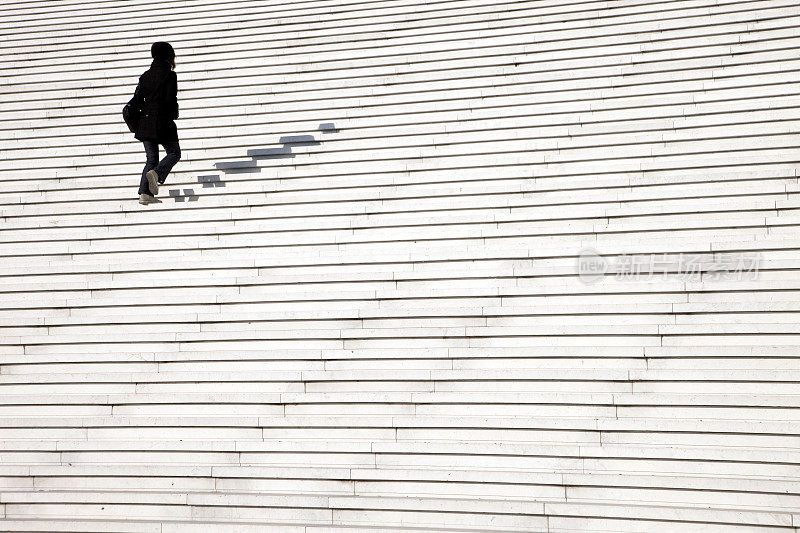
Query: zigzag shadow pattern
pixel 284 152
pixel 212 181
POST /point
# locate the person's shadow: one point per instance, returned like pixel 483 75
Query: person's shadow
pixel 251 165
pixel 283 152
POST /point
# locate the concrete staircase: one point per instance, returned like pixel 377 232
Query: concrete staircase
pixel 442 266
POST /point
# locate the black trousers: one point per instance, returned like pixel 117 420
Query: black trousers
pixel 162 167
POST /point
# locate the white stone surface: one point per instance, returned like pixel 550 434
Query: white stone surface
pixel 358 307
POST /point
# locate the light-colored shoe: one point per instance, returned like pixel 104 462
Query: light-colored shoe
pixel 145 199
pixel 152 180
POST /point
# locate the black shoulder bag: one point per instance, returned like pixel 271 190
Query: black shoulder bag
pixel 132 111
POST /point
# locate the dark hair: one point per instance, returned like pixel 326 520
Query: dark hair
pixel 163 51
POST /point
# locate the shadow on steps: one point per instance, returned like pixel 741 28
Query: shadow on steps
pixel 251 166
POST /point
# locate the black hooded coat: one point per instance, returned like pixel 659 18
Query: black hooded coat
pixel 157 95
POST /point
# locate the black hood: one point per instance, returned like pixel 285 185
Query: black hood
pixel 162 50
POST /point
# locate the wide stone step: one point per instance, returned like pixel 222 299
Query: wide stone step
pixel 362 304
